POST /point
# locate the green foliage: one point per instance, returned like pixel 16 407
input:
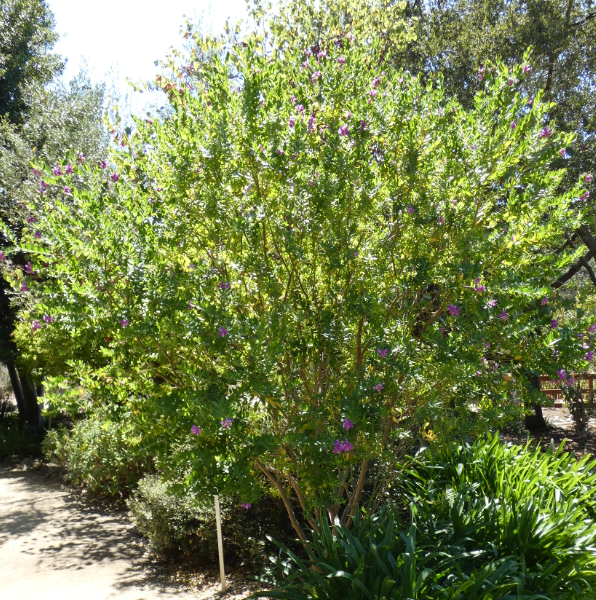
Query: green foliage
pixel 171 521
pixel 15 438
pixel 104 456
pixel 458 37
pixel 306 240
pixel 27 35
pixel 498 522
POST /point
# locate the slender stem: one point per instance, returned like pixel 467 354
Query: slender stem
pixel 284 497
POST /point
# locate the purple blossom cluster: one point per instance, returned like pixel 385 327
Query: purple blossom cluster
pixel 196 430
pixel 226 423
pixel 340 447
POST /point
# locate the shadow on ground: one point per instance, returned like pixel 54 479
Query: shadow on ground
pixel 55 544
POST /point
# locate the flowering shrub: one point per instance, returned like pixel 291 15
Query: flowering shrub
pixel 295 212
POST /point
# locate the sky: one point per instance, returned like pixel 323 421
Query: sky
pixel 120 39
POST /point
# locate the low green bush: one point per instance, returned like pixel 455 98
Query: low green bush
pixel 102 455
pixel 16 438
pixel 179 522
pixel 488 521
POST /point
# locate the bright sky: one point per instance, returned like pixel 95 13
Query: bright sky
pixel 120 39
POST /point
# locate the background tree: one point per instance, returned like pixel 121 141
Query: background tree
pixel 40 119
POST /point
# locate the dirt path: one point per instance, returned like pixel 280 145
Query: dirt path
pixel 56 546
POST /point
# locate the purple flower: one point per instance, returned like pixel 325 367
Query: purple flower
pixel 554 323
pixel 362 125
pixel 491 303
pixel 24 287
pixel 224 285
pixel 29 268
pixel 37 235
pixel 343 130
pixel 510 82
pixel 348 424
pixel 66 190
pixel 226 423
pixel 311 123
pixel 245 505
pixel 293 99
pixel 544 300
pixel 299 109
pixel 503 316
pixel 442 330
pixel 562 152
pixel 513 125
pixel 292 121
pixel 356 253
pixel 48 319
pixel 529 101
pixel 31 220
pixel 589 356
pixel 562 375
pixel 376 81
pixel 341 60
pixel 441 220
pixel 102 164
pixel 592 328
pixel 114 177
pixel 545 133
pixel 223 331
pixel 43 184
pixel 2 256
pixel 453 310
pixel 68 169
pixel 411 210
pixel 584 197
pixel 124 322
pixel 322 54
pixel 35 325
pixel 382 352
pixel 484 361
pixel 526 69
pixel 372 93
pixel 479 288
pixel 378 387
pixel 315 76
pixel 487 345
pixel 588 178
pixel 57 170
pixel 37 172
pixel 196 430
pixel 81 157
pixel 340 447
pixel 279 151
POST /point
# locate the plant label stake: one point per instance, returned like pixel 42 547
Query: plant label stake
pixel 222 572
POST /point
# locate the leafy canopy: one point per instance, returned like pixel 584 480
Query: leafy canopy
pixel 311 254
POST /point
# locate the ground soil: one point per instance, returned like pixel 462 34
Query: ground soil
pixel 560 429
pixel 57 545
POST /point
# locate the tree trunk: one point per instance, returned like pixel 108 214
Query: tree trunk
pixel 30 395
pixel 18 392
pixel 536 421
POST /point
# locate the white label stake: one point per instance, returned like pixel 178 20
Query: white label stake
pixel 220 545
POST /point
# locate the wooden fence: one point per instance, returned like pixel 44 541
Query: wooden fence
pixel 551 387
